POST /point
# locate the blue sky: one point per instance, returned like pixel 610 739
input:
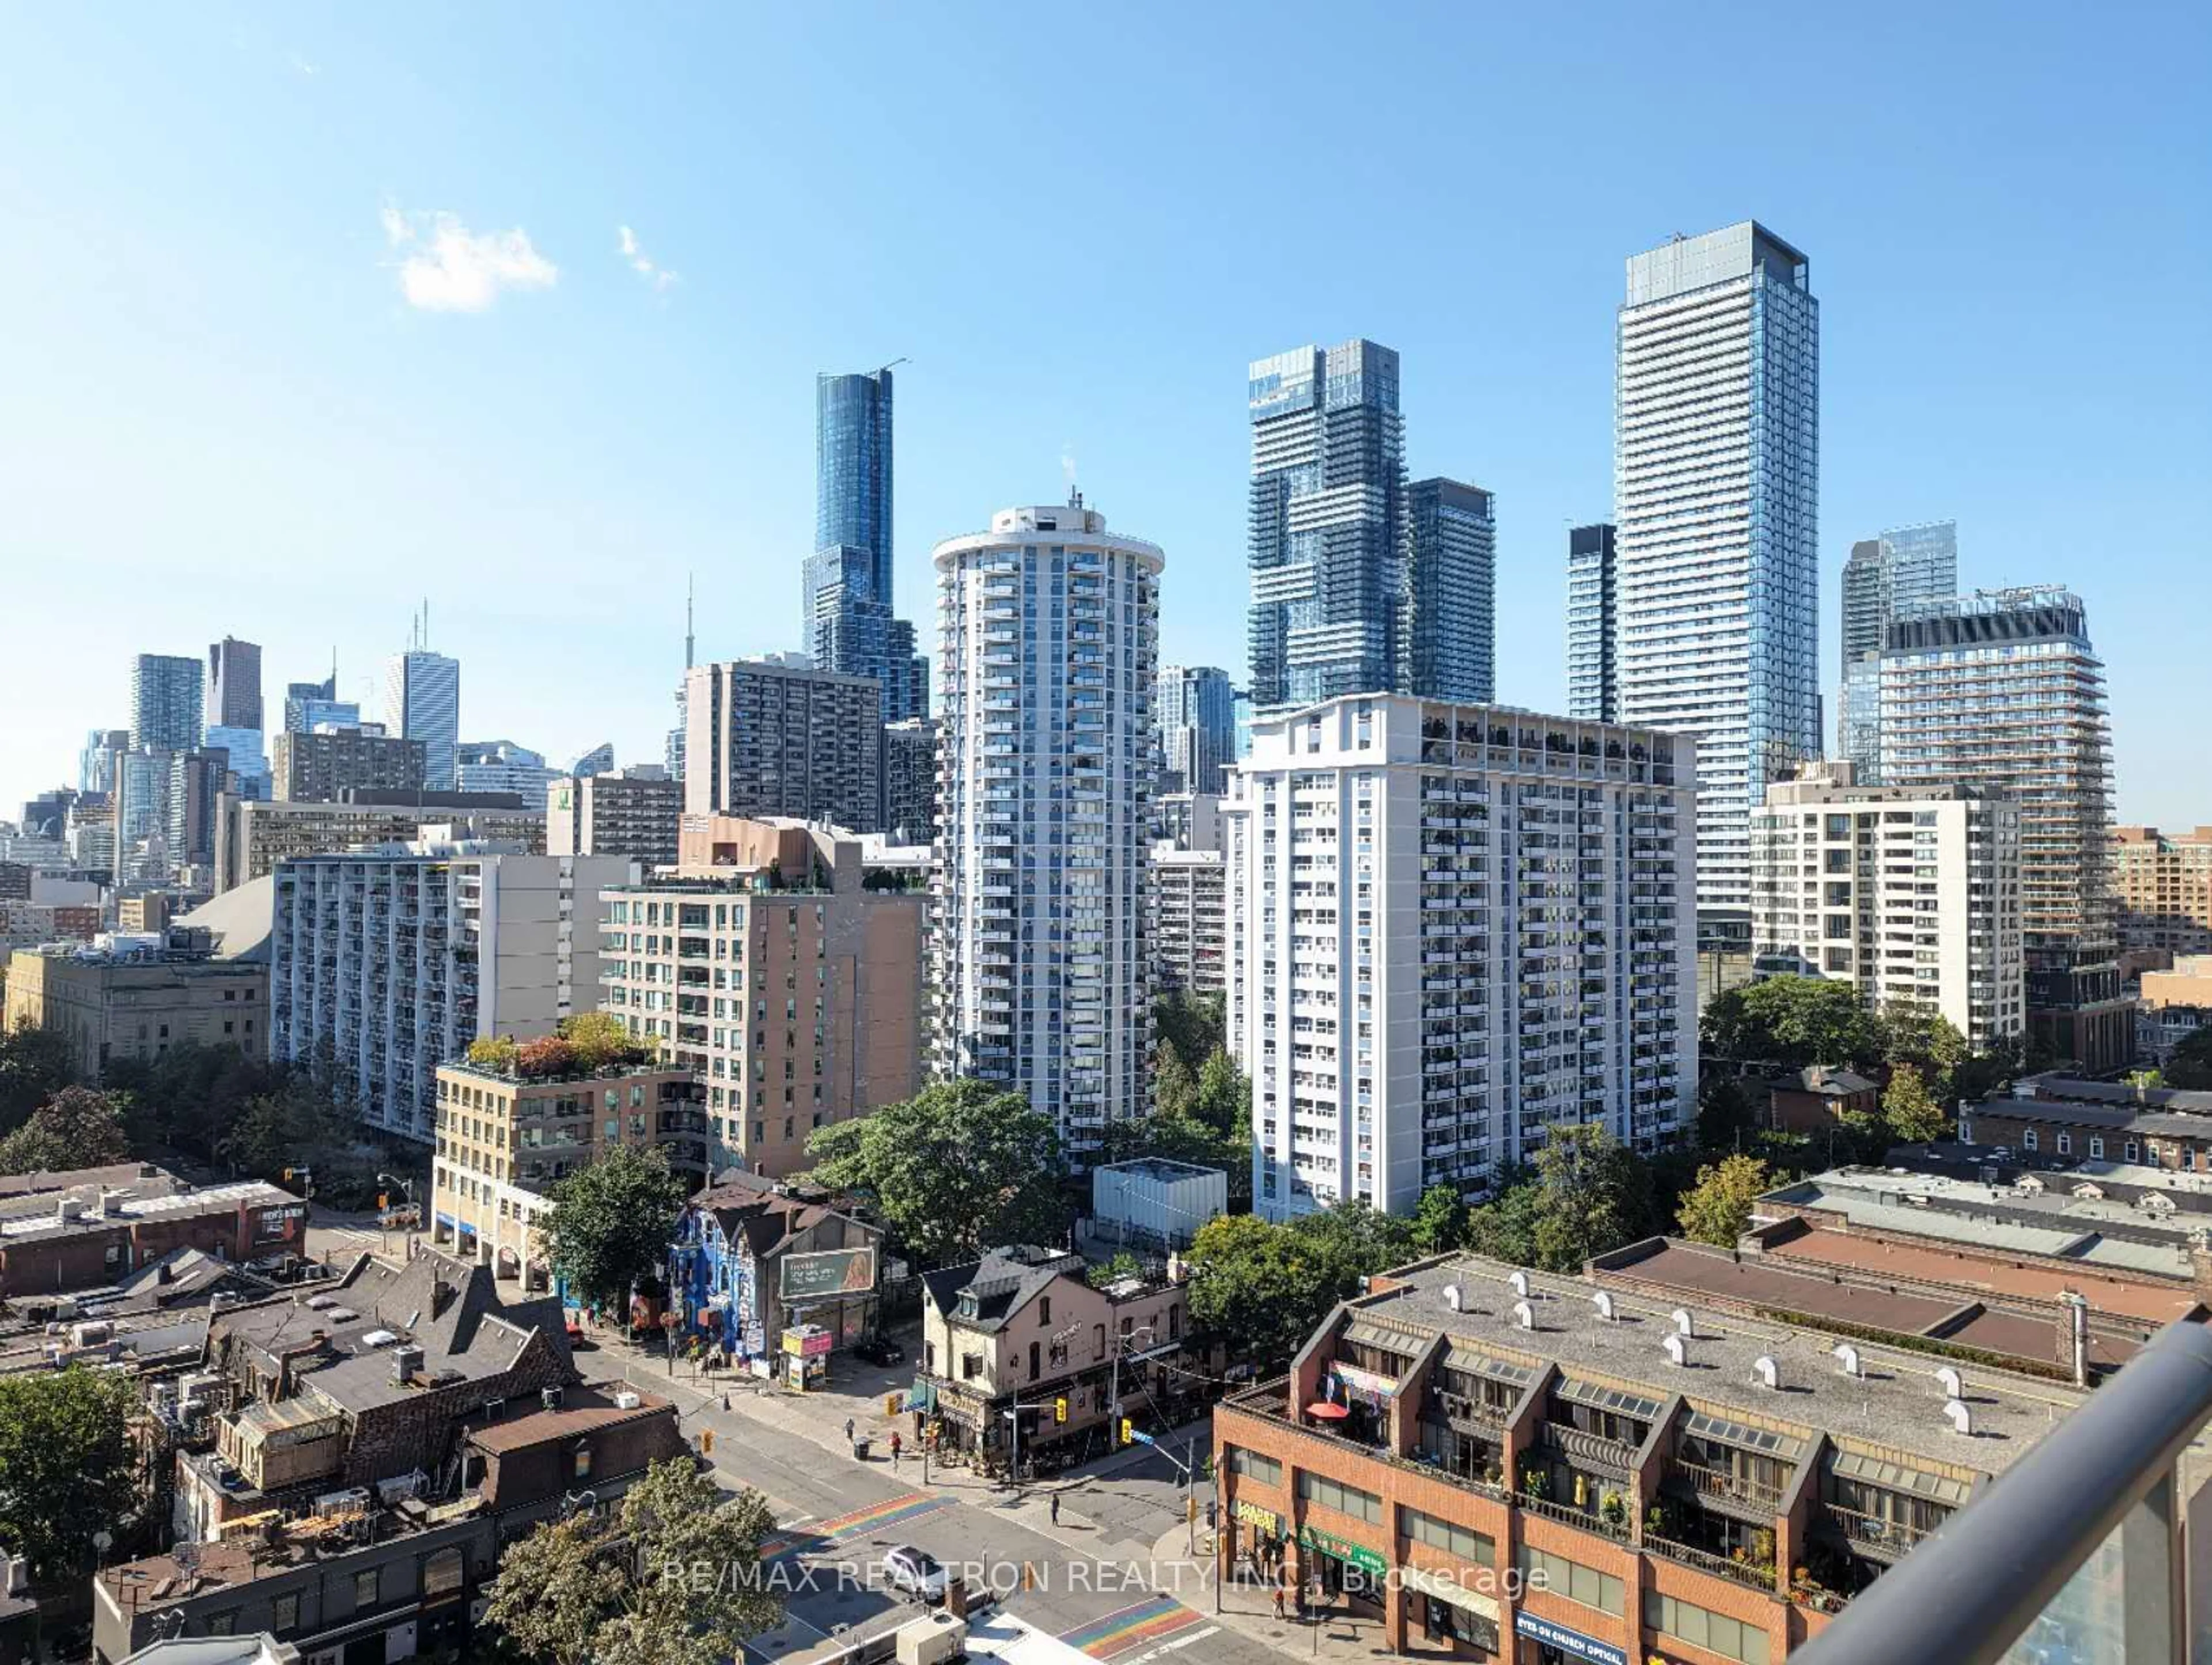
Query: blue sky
pixel 312 312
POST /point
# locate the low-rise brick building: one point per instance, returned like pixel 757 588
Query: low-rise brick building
pixel 1513 1465
pixel 2062 1116
pixel 90 1228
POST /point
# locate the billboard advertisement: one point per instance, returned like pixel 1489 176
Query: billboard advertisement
pixel 826 1276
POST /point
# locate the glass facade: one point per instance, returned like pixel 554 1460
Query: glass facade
pixel 1716 490
pixel 846 585
pixel 1452 591
pixel 1593 679
pixel 166 703
pixel 1907 565
pixel 423 701
pixel 1194 719
pixel 1328 529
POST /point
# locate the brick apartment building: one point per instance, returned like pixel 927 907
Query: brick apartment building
pixel 95 1227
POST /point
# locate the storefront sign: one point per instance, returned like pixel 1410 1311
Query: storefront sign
pixel 808 1341
pixel 826 1276
pixel 278 1222
pixel 1444 1588
pixel 1266 1519
pixel 1352 1554
pixel 1545 1632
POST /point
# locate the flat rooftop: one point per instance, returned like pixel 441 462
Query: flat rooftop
pixel 1896 1405
pixel 25 1219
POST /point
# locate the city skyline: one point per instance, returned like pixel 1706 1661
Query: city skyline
pixel 564 434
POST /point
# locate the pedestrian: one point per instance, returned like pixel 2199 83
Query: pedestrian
pixel 848 1431
pixel 896 1443
pixel 1279 1599
pixel 726 1401
pixel 1055 1509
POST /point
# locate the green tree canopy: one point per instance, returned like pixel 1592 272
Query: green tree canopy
pixel 1918 1034
pixel 960 1166
pixel 67 1468
pixel 1192 1026
pixel 1727 1113
pixel 1265 1287
pixel 1792 1022
pixel 2190 1065
pixel 1175 1089
pixel 610 1224
pixel 1717 1208
pixel 672 1577
pixel 1913 1116
pixel 1439 1221
pixel 1584 1195
pixel 1225 1098
pixel 35 1064
pixel 77 1128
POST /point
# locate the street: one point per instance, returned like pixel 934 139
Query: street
pixel 1093 1580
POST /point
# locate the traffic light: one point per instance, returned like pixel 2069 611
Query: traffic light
pixel 706 1442
pixel 1059 1408
pixel 384 1200
pixel 1128 1432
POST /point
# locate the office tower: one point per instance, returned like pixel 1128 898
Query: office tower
pixel 2002 689
pixel 1593 614
pixel 1194 717
pixel 503 766
pixel 198 779
pixel 298 696
pixel 910 755
pixel 384 966
pixel 142 815
pixel 1327 525
pixel 790 901
pixel 847 623
pixel 423 701
pixel 1452 591
pixel 599 760
pixel 252 837
pixel 1049 643
pixel 46 815
pixel 95 764
pixel 774 736
pixel 1189 922
pixel 1909 893
pixel 1907 565
pixel 233 684
pixel 1450 927
pixel 165 702
pixel 319 767
pixel 249 762
pixel 1716 499
pixel 2164 883
pixel 635 813
pixel 91 834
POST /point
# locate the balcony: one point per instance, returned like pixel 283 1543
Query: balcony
pixel 1751 1574
pixel 1733 1494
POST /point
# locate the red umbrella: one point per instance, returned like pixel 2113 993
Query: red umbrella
pixel 1322 1411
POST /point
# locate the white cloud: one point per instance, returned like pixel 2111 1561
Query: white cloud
pixel 660 277
pixel 447 268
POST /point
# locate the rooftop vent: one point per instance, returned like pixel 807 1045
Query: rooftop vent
pixel 1524 1314
pixel 1950 1382
pixel 1962 1420
pixel 1451 1298
pixel 405 1363
pixel 1765 1371
pixel 1519 1281
pixel 1603 1302
pixel 1676 1352
pixel 1685 1326
pixel 1847 1358
pixel 627 1400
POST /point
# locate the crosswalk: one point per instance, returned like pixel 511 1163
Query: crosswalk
pixel 860 1523
pixel 1147 1629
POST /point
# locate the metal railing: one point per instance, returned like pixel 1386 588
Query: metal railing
pixel 1733 1488
pixel 2072 1553
pixel 1751 1573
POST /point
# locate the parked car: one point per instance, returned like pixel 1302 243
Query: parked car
pixel 915 1571
pixel 879 1350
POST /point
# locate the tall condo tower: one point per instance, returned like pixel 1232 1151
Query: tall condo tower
pixel 1048 648
pixel 1902 566
pixel 233 684
pixel 165 702
pixel 1195 713
pixel 1593 668
pixel 1451 631
pixel 846 588
pixel 1717 446
pixel 423 701
pixel 2003 689
pixel 1327 525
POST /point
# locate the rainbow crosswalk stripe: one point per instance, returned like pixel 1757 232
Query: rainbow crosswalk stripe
pixel 1150 1621
pixel 862 1522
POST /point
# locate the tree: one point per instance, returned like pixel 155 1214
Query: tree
pixel 1717 1208
pixel 2190 1065
pixel 494 1052
pixel 600 1039
pixel 1265 1287
pixel 1123 1265
pixel 1913 1116
pixel 1192 1026
pixel 959 1167
pixel 672 1577
pixel 1224 1096
pixel 1988 1074
pixel 1175 1090
pixel 1439 1221
pixel 1793 1022
pixel 1726 1113
pixel 547 1055
pixel 1504 1228
pixel 77 1128
pixel 67 1468
pixel 611 1223
pixel 1921 1036
pixel 35 1064
pixel 1595 1196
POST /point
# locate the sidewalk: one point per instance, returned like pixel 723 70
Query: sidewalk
pixel 1250 1609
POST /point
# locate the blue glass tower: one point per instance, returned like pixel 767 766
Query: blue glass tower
pixel 846 588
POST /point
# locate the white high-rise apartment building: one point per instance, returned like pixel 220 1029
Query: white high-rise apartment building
pixel 1049 643
pixel 1450 927
pixel 1910 893
pixel 1190 921
pixel 423 701
pixel 388 965
pixel 1715 503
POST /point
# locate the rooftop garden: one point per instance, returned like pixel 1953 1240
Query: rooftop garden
pixel 585 1044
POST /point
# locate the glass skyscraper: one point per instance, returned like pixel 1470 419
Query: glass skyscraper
pixel 1593 671
pixel 846 586
pixel 423 701
pixel 233 684
pixel 165 702
pixel 1716 498
pixel 1194 716
pixel 1328 531
pixel 1450 635
pixel 1884 575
